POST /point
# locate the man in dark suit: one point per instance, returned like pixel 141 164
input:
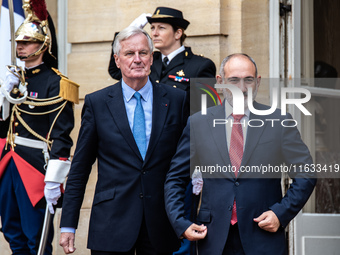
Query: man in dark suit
pixel 132 129
pixel 173 64
pixel 241 211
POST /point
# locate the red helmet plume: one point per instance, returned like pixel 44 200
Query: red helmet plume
pixel 39 9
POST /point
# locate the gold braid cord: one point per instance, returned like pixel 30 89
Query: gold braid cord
pixel 16 111
pixel 18 71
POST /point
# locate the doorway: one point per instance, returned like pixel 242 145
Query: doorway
pixel 305 52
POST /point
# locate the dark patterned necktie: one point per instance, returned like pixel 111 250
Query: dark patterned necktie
pixel 236 154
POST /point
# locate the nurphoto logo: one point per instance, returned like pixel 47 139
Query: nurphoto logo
pixel 238 100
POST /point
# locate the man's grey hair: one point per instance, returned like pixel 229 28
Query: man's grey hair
pixel 225 60
pixel 127 33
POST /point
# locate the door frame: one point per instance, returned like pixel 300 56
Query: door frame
pixel 288 59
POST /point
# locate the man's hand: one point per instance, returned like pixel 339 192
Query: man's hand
pixel 195 232
pixel 67 242
pixel 268 221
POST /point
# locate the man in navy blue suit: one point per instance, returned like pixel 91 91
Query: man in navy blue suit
pixel 241 212
pixel 131 129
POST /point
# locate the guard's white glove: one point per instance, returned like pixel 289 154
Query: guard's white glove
pixel 4 105
pixel 197 182
pixel 52 193
pixel 10 81
pixel 141 21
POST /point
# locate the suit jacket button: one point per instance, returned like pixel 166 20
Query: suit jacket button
pixel 141 195
pixel 143 172
pixel 237 184
pixel 230 207
pixel 174 86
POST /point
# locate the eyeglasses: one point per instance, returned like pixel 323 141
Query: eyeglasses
pixel 236 80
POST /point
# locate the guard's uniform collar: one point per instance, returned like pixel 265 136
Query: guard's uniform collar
pixel 29 73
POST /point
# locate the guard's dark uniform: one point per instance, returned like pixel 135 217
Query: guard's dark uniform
pixel 22 169
pixel 43 83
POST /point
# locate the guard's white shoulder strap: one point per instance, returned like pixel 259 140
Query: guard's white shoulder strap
pixel 4 105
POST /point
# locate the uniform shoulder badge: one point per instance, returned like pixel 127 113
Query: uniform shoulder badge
pixel 69 90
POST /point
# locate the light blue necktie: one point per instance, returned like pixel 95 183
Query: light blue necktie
pixel 139 126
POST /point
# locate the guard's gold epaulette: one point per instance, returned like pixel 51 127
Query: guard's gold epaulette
pixel 69 90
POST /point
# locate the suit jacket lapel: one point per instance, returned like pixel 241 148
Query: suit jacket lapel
pixel 253 137
pixel 219 135
pixel 159 112
pixel 115 103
